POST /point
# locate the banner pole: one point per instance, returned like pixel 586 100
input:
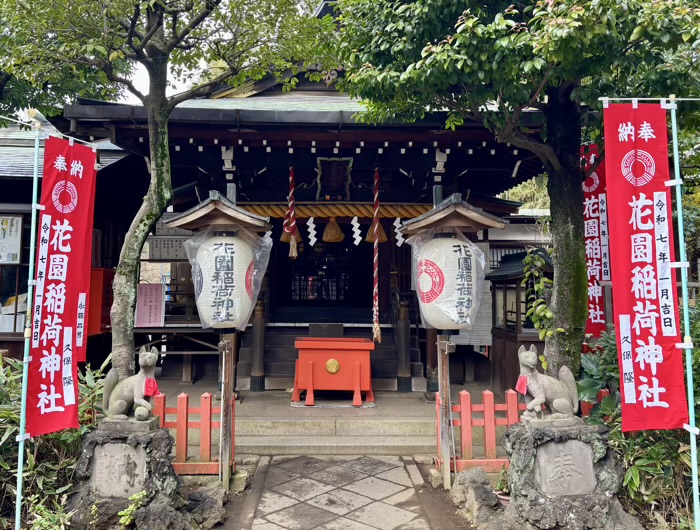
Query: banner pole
pixel 27 333
pixel 692 428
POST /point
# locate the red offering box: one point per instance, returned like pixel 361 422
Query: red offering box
pixel 327 363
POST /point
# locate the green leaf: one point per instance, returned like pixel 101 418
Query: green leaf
pixel 637 33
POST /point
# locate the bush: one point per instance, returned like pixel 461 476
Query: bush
pixel 657 481
pixel 50 460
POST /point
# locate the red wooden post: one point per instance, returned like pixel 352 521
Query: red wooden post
pixel 183 405
pixel 465 416
pixel 356 397
pixel 489 424
pixel 205 427
pixel 159 409
pixel 512 415
pixel 310 387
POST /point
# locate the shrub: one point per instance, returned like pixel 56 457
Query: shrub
pixel 50 460
pixel 657 480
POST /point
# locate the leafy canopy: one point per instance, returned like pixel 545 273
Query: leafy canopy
pixel 46 85
pixel 493 60
pixel 200 43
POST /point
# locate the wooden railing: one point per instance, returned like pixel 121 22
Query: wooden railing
pixel 492 415
pixel 206 464
pixel 489 420
pixel 586 407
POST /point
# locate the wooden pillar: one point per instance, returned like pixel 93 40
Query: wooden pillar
pixel 403 339
pixel 257 369
pixel 444 348
pixel 227 348
pixel 431 369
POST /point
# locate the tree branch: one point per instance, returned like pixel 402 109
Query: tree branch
pixel 199 90
pixel 108 69
pixel 511 133
pixel 177 38
pixel 594 166
pixel 4 80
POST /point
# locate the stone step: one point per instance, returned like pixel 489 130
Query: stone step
pixel 334 427
pixel 335 445
pixel 338 428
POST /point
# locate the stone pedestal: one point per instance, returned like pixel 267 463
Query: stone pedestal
pixel 122 458
pixel 563 476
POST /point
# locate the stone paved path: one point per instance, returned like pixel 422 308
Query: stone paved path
pixel 340 493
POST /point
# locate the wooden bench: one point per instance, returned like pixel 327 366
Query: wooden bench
pixel 331 363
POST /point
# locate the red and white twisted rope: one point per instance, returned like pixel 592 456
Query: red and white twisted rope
pixel 376 330
pixel 290 221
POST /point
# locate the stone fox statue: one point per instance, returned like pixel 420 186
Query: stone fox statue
pixel 560 396
pixel 121 396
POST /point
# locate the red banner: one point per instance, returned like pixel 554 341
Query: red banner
pixel 59 312
pixel 644 285
pixel 595 218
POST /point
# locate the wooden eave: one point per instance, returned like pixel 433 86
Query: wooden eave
pixel 326 210
pixel 217 210
pixel 453 212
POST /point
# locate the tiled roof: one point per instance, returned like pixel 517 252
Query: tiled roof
pixel 17 153
pixel 312 103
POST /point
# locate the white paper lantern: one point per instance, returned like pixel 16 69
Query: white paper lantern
pixel 222 272
pixel 449 273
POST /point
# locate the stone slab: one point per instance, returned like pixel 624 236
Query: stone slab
pixel 337 476
pixel 301 517
pixel 340 502
pixel 374 488
pixel 390 517
pixel 273 502
pixel 345 524
pixel 565 468
pixel 302 489
pixel 118 470
pixel 546 423
pixel 129 426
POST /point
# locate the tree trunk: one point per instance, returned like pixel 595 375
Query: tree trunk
pixel 569 301
pixel 154 204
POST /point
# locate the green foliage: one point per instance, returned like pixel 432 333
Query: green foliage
pixel 495 62
pixel 538 291
pixel 492 60
pixel 128 515
pixel 532 193
pixel 657 472
pixel 202 44
pixel 502 484
pixel 657 475
pixel 47 85
pixel 49 460
pixel 44 517
pixel 599 368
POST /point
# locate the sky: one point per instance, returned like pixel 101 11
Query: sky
pixel 140 81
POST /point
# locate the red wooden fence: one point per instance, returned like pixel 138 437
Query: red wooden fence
pixel 206 465
pixel 586 407
pixel 509 413
pixel 492 415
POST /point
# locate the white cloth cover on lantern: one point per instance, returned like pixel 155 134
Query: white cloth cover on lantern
pixel 448 274
pixel 227 271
